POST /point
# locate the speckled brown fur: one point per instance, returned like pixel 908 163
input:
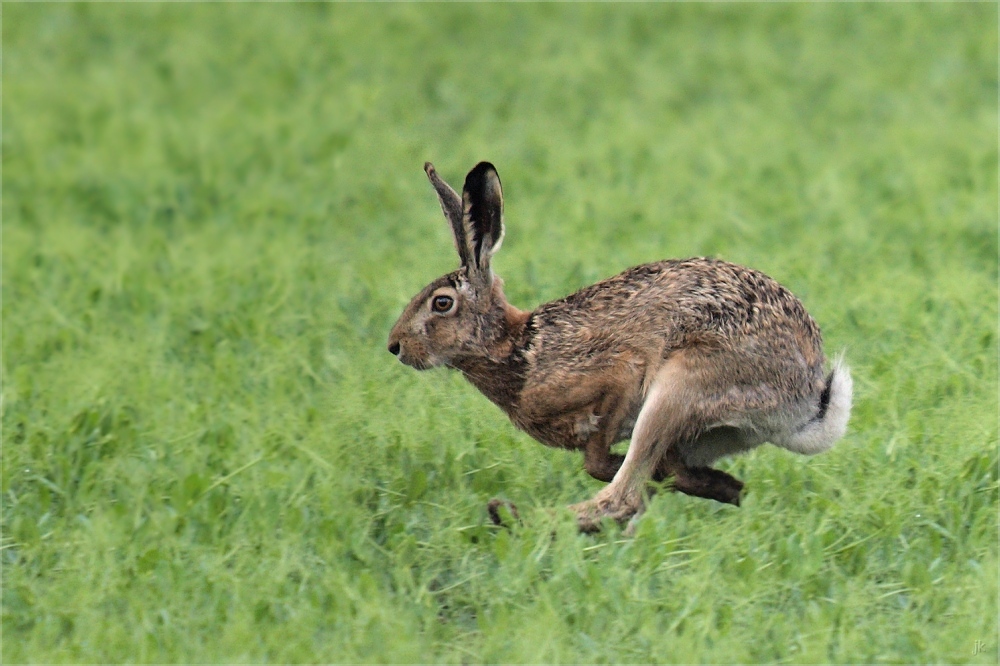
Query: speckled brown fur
pixel 692 359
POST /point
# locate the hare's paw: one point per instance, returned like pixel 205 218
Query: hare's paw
pixel 589 514
pixel 502 512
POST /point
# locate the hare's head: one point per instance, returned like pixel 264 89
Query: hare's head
pixel 458 314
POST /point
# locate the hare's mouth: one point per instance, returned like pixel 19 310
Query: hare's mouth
pixel 415 363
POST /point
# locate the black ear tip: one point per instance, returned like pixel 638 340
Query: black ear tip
pixel 428 168
pixel 483 168
pixel 480 176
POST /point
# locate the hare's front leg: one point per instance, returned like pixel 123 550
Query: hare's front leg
pixel 598 460
pixel 701 481
pixel 704 482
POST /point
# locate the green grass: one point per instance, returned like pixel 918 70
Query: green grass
pixel 212 215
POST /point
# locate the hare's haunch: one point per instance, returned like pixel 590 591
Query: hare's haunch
pixel 691 359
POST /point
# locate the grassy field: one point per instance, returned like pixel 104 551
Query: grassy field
pixel 212 215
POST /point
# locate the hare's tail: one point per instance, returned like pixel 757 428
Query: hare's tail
pixel 830 424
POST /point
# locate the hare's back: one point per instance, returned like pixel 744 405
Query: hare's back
pixel 675 304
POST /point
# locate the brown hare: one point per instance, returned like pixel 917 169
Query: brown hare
pixel 691 359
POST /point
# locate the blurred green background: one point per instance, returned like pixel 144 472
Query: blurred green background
pixel 212 215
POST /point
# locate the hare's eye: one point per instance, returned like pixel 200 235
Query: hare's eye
pixel 442 303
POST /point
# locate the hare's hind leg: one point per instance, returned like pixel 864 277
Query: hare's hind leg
pixel 669 417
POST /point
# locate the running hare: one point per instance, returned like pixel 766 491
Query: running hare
pixel 692 359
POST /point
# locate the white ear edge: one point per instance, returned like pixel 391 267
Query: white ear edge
pixel 496 248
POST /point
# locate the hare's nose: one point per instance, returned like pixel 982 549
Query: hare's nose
pixel 394 348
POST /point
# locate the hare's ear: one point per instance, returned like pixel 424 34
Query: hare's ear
pixel 482 207
pixel 451 204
